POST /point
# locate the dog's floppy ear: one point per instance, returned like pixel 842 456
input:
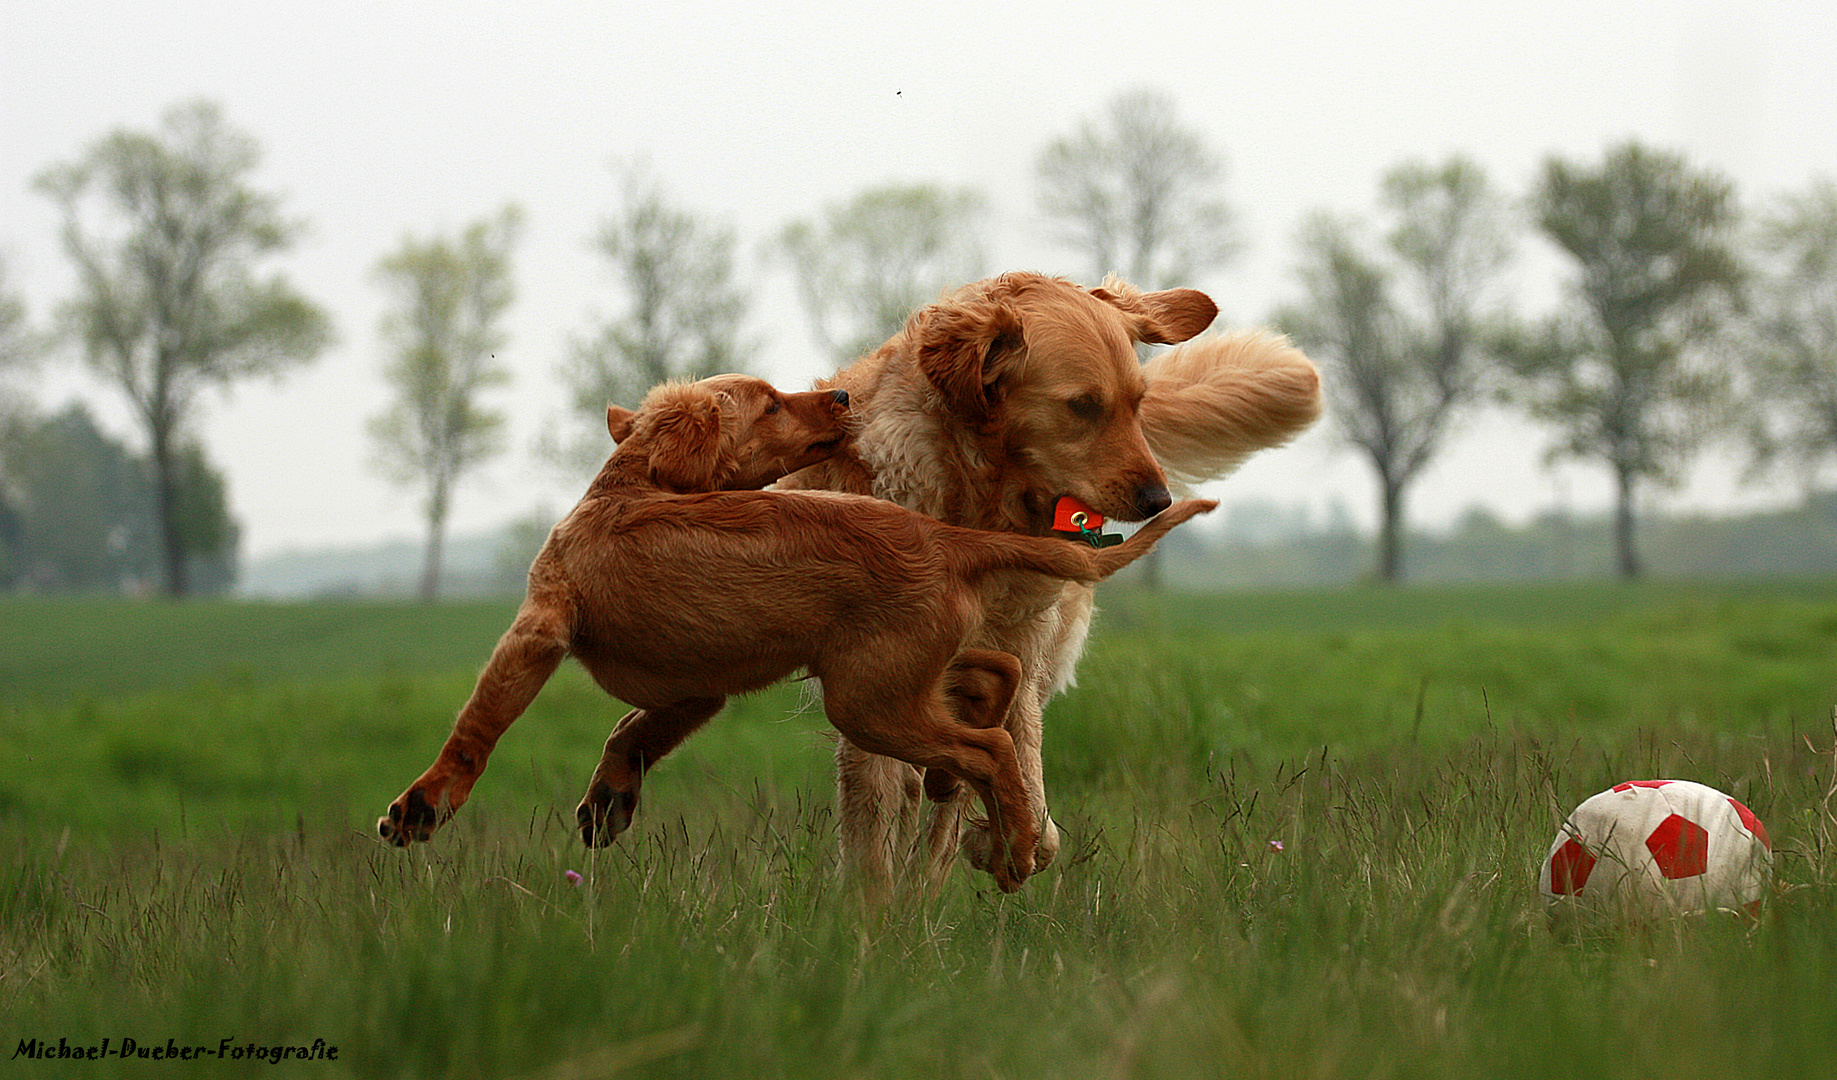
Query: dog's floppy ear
pixel 1159 318
pixel 963 348
pixel 686 450
pixel 726 443
pixel 619 423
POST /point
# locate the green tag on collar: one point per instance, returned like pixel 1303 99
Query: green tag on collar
pixel 1073 520
pixel 1094 538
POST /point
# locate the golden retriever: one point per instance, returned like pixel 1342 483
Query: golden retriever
pixel 986 408
pixel 675 591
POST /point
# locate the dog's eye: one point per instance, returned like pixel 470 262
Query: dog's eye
pixel 771 406
pixel 1086 407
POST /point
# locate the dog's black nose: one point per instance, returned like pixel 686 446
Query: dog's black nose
pixel 1151 499
pixel 841 396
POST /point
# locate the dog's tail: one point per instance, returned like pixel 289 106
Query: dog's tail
pixel 1215 400
pixel 981 552
pixel 1112 559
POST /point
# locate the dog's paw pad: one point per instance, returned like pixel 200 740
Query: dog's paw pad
pixel 604 814
pixel 411 818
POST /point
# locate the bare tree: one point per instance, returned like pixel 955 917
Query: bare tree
pixel 1793 328
pixel 1137 194
pixel 167 299
pixel 682 317
pixel 1622 373
pixel 1403 337
pixel 870 261
pixel 449 294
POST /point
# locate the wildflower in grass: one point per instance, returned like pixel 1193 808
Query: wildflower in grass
pixel 573 877
pixel 1275 845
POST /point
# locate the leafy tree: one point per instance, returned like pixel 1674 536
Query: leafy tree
pixel 1402 336
pixel 449 294
pixel 83 507
pixel 1621 371
pixel 85 511
pixel 683 315
pixel 870 261
pixel 1794 328
pixel 211 534
pixel 1136 194
pixel 165 232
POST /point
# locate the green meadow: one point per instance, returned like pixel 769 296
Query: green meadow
pixel 1301 834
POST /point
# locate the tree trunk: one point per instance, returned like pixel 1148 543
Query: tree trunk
pixel 175 559
pixel 436 540
pixel 1390 531
pixel 1625 553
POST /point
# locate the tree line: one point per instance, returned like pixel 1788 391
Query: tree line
pixel 1680 319
pixel 1268 544
pixel 1679 322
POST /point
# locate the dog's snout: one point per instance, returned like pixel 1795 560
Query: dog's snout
pixel 1151 499
pixel 841 396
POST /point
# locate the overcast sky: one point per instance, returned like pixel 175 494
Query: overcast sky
pixel 379 117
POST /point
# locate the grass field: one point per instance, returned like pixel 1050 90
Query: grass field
pixel 186 798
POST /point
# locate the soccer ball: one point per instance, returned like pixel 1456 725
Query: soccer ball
pixel 1651 847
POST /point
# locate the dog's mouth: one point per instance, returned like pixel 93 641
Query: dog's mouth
pixel 826 446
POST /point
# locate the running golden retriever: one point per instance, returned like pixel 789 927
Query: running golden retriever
pixel 986 409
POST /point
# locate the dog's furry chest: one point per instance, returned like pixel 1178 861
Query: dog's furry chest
pixel 907 455
pixel 1043 621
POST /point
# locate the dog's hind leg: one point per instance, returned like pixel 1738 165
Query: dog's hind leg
pixel 979 846
pixel 637 742
pixel 918 728
pixel 525 657
pixel 979 686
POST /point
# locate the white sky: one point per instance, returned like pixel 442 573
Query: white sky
pixel 384 116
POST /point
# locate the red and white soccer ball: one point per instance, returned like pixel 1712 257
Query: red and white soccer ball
pixel 1651 847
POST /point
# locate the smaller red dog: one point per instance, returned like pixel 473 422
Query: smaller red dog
pixel 675 600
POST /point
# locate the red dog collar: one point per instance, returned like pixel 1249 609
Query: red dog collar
pixel 1074 520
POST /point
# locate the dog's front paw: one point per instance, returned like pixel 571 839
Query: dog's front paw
pixel 604 814
pixel 980 849
pixel 410 818
pixel 1011 872
pixel 986 852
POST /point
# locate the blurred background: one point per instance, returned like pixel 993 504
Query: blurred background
pixel 329 301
